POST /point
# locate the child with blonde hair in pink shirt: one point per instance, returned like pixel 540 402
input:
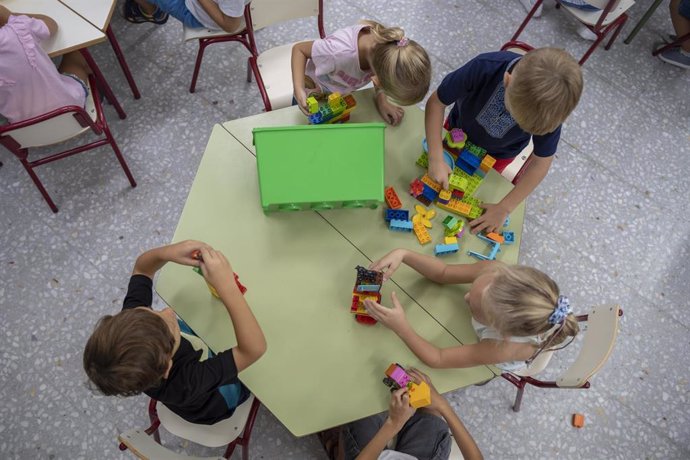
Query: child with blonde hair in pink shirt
pixel 30 85
pixel 352 57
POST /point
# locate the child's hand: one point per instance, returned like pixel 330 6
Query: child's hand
pixel 393 318
pixel 183 252
pixel 216 269
pixel 436 399
pixel 491 220
pixel 399 409
pixel 301 98
pixel 391 114
pixel 389 263
pixel 440 171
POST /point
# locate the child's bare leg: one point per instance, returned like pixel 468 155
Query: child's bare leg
pixel 680 24
pixel 75 63
pixel 146 7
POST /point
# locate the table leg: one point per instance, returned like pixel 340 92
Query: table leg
pixel 103 83
pixel 123 64
pixel 642 22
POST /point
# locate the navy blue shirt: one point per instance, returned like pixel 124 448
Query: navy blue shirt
pixel 478 94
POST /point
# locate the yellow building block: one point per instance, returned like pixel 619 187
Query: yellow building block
pixel 431 183
pixel 445 195
pixel 422 234
pixel 450 240
pixel 487 163
pixel 456 207
pixel 420 395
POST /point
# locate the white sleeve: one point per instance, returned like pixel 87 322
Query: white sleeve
pixel 232 8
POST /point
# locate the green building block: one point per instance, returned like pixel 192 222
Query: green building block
pixel 475 149
pixel 320 166
pixel 423 160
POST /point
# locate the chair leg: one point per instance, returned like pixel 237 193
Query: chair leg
pixel 119 156
pixel 39 185
pixel 536 6
pixel 197 65
pixel 615 34
pixel 103 83
pixel 249 72
pixel 123 64
pixel 518 396
pixel 231 448
pixel 155 422
pixel 591 49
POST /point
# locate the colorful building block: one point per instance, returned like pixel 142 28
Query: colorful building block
pixel 424 200
pixel 431 183
pixel 578 420
pixel 456 207
pixel 450 240
pixel 392 198
pixel 467 162
pixel 456 138
pixel 494 249
pixel 487 163
pixel 396 376
pixel 335 109
pixel 429 193
pixel 211 289
pixel 495 237
pixel 444 196
pixel 420 394
pixel 312 105
pixel 397 214
pixel 475 149
pixel 400 225
pixel 422 234
pixel 507 221
pixel 416 188
pixel 508 238
pixel 366 276
pixel 368 288
pixel 423 216
pixel 444 249
pixel 457 182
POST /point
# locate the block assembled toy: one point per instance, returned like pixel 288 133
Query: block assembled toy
pixel 336 109
pixel 367 286
pixel 494 249
pixel 397 377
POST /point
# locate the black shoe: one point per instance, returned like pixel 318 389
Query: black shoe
pixel 132 13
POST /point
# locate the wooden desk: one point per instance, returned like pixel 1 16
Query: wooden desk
pixel 99 13
pixel 403 146
pixel 74 33
pixel 321 369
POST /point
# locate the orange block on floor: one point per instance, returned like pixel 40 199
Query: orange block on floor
pixel 392 198
pixel 578 420
pixel 496 237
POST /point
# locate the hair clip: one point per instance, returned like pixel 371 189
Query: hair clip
pixel 403 41
pixel 561 310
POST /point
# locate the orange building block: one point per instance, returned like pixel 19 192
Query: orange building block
pixel 496 237
pixel 431 183
pixel 422 234
pixel 578 420
pixel 392 198
pixel 487 163
pixel 457 207
pixel 420 395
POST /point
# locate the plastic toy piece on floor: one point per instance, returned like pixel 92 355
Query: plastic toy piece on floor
pixel 392 198
pixel 431 183
pixel 455 228
pixel 416 188
pixel 456 207
pixel 495 237
pixel 450 240
pixel 423 216
pixel 487 163
pixel 312 105
pixel 475 149
pixel 456 138
pixel 422 234
pixel 429 193
pixel 495 249
pixel 366 276
pixel 444 196
pixel 368 288
pixel 335 109
pixel 365 319
pixel 467 162
pixel 445 249
pixel 456 182
pixel 508 237
pixel 400 225
pixel 578 420
pixel 397 214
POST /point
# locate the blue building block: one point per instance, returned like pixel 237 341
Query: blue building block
pixel 508 238
pixel 468 162
pixel 507 222
pixel 495 249
pixel 369 288
pixel 315 118
pixel 477 255
pixel 429 193
pixel 397 214
pixel 444 249
pixel 400 225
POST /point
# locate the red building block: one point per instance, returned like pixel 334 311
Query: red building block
pixel 578 420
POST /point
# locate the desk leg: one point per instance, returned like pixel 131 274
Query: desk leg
pixel 103 84
pixel 123 64
pixel 642 22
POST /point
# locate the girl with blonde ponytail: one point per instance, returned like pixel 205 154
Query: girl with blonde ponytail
pixel 352 57
pixel 517 312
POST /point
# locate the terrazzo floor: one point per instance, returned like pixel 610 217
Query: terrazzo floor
pixel 609 223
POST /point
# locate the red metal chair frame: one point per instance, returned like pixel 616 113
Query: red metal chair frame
pixel 99 126
pixel 675 43
pixel 244 36
pixel 253 64
pixel 600 31
pixel 242 440
pixel 115 45
pixel 520 381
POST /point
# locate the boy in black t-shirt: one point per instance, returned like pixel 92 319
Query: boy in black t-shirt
pixel 142 350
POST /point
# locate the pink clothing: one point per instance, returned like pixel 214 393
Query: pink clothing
pixel 30 85
pixel 334 63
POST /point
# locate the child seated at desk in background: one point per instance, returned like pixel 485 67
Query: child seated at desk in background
pixel 223 15
pixel 500 100
pixel 421 433
pixel 142 350
pixel 30 85
pixel 517 312
pixel 352 57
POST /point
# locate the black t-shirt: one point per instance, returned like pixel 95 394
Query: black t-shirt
pixel 191 389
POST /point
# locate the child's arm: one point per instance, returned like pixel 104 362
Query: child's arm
pixel 463 438
pixel 227 23
pixel 391 113
pixel 484 352
pixel 251 343
pixel 49 22
pixel 496 214
pixel 399 412
pixel 149 262
pixel 433 122
pixel 300 53
pixel 430 267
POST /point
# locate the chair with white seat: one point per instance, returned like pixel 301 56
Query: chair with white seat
pixel 597 345
pixel 609 17
pixel 271 68
pixel 208 37
pixel 232 431
pixel 58 126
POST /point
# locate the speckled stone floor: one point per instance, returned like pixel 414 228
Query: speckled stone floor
pixel 608 222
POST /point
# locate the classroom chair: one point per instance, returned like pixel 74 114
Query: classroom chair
pixel 233 431
pixel 597 344
pixel 677 42
pixel 58 126
pixel 208 37
pixel 610 17
pixel 271 68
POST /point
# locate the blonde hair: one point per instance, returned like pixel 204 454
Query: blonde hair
pixel 520 300
pixel 402 67
pixel 545 87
